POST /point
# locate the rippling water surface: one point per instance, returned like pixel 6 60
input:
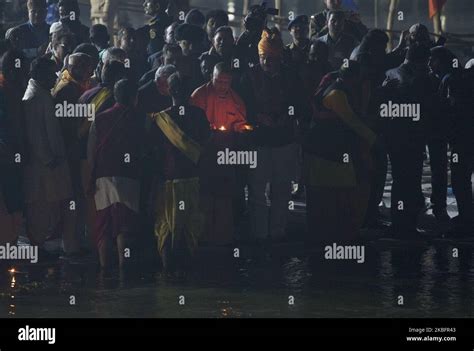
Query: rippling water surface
pixel 431 281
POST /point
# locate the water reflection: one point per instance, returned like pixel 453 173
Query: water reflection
pixel 385 278
pixel 11 309
pixel 428 270
pixel 432 281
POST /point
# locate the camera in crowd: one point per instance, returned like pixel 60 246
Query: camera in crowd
pixel 257 17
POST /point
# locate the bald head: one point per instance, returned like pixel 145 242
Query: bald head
pixel 80 66
pixel 13 35
pixel 78 59
pixel 164 72
pixel 222 79
pixel 161 78
pixel 222 68
pixel 114 53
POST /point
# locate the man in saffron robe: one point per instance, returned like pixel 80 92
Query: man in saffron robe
pixel 222 104
pixel 183 131
pixel 114 154
pixel 226 114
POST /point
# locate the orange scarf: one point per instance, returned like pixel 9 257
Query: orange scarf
pixel 66 77
pixel 271 43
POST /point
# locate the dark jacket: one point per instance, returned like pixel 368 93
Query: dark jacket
pixel 339 49
pixel 408 84
pixel 456 94
pixel 154 32
pixel 296 55
pixel 10 146
pixel 80 31
pixel 319 28
pixel 247 49
pixel 32 38
pixel 274 104
pixel 150 99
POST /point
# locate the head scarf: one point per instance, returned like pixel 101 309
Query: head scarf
pixel 271 43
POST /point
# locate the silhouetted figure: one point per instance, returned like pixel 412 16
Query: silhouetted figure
pixel 405 135
pixel 339 43
pixel 353 25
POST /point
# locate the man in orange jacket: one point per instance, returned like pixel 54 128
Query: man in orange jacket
pixel 226 114
pixel 224 108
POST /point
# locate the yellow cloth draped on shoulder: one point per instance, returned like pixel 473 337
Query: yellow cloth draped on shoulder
pixel 336 200
pixel 97 101
pixel 101 97
pixel 176 136
pixel 178 212
pixel 66 78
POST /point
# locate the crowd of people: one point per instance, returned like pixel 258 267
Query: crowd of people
pixel 141 171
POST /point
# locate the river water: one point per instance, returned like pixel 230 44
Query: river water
pixel 430 280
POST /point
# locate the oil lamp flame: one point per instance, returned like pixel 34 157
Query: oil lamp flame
pixel 248 127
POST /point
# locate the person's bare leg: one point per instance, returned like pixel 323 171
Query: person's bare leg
pixel 38 216
pixel 167 257
pixel 105 250
pixel 182 258
pixel 69 221
pixel 124 250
